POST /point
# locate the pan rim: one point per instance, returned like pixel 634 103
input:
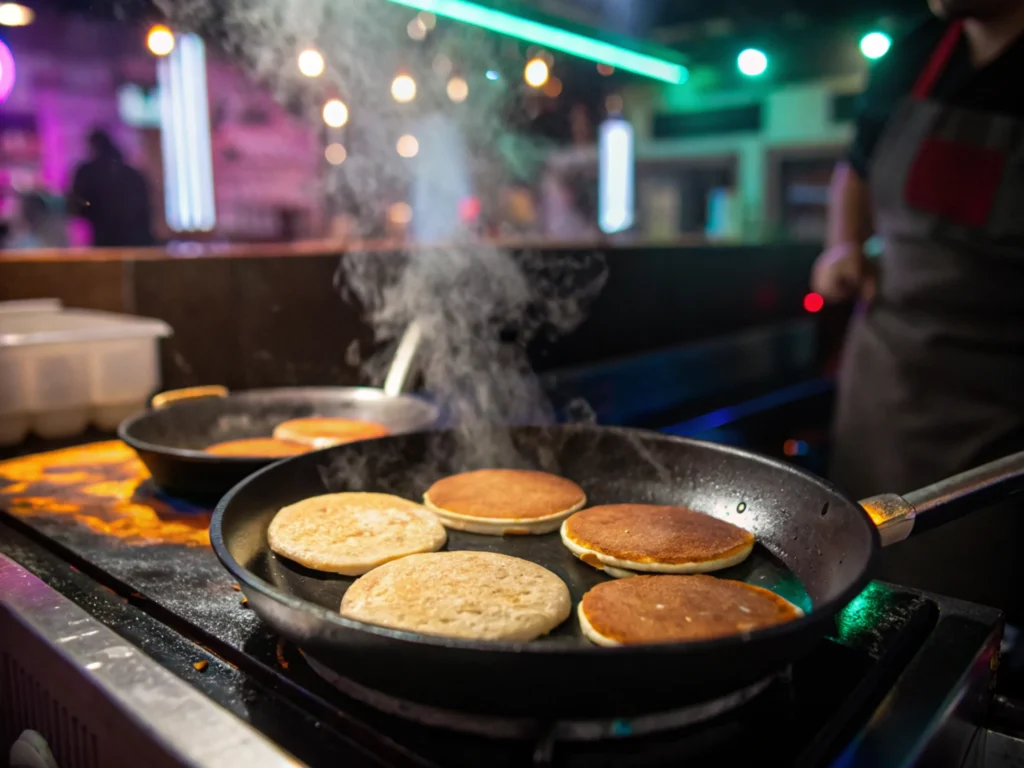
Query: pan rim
pixel 199 456
pixel 816 616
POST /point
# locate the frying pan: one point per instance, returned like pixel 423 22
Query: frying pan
pixel 815 547
pixel 170 438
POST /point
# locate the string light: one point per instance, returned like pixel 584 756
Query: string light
pixel 605 69
pixel 335 113
pixel 536 72
pixel 416 29
pixel 400 213
pixel 408 146
pixel 403 88
pixel 160 40
pixel 311 63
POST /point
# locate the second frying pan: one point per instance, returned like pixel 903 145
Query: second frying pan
pixel 815 547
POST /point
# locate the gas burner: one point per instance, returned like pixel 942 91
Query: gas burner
pixel 499 727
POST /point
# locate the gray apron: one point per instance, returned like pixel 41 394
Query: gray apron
pixel 932 379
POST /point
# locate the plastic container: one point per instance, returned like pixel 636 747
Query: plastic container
pixel 62 369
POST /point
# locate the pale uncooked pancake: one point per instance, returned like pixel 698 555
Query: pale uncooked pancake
pixel 472 595
pixel 351 533
pixel 257 447
pixel 673 609
pixel 323 432
pixel 502 501
pixel 621 539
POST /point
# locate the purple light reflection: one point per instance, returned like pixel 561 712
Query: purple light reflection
pixel 7 72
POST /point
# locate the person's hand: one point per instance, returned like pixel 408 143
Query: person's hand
pixel 842 273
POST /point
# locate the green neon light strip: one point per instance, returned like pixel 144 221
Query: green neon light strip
pixel 552 37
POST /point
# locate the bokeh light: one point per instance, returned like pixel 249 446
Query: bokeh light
pixel 441 65
pixel 605 69
pixel 536 72
pixel 457 89
pixel 874 45
pixel 400 213
pixel 160 40
pixel 335 154
pixel 492 75
pixel 311 63
pixel 403 88
pixel 335 113
pixel 752 62
pixel 408 146
pixel 416 29
pixel 813 302
pixel 427 19
pixel 15 15
pixel 7 72
pixel 552 88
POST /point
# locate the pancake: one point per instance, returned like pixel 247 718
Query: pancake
pixel 621 539
pixel 351 533
pixel 323 432
pixel 501 501
pixel 257 447
pixel 677 609
pixel 472 595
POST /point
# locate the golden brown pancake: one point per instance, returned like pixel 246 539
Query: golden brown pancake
pixel 474 595
pixel 261 447
pixel 323 432
pixel 351 533
pixel 500 501
pixel 660 539
pixel 674 609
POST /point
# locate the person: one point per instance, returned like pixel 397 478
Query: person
pixel 112 196
pixel 932 376
pixel 39 224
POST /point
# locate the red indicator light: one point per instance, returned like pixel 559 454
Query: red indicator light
pixel 813 302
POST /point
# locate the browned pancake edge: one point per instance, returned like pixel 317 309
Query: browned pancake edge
pixel 505 494
pixel 646 533
pixel 668 609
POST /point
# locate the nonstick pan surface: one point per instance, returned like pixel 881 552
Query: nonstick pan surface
pixel 814 547
pixel 171 439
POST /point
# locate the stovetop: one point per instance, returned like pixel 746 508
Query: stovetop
pixel 898 665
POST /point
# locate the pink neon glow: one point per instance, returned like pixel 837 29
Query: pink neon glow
pixel 6 72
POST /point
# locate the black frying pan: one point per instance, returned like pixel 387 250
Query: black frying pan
pixel 172 436
pixel 815 547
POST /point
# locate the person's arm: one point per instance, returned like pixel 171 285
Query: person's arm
pixel 849 208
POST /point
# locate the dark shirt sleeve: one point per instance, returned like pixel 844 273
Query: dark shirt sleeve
pixel 78 193
pixel 890 81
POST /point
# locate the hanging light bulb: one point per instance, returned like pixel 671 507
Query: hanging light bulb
pixel 311 63
pixel 403 88
pixel 536 72
pixel 335 113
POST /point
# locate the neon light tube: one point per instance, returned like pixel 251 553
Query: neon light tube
pixel 553 37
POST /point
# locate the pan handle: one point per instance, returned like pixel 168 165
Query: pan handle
pixel 188 393
pixel 405 356
pixel 897 517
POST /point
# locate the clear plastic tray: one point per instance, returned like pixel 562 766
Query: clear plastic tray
pixel 62 369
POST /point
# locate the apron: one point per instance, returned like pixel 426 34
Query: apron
pixel 932 378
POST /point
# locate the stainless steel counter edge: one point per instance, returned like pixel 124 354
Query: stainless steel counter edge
pixel 187 724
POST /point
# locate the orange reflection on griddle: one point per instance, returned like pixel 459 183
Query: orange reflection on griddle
pixel 104 487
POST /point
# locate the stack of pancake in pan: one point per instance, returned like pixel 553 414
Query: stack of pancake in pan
pixel 659 555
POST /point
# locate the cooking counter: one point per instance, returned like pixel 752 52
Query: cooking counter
pixel 271 315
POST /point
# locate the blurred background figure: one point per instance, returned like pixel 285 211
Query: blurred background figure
pixel 39 223
pixel 931 378
pixel 112 196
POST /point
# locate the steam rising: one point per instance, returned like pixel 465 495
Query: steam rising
pixel 477 306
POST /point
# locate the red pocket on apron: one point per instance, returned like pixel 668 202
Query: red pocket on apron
pixel 956 181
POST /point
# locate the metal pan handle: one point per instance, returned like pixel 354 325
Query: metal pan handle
pixel 897 517
pixel 405 356
pixel 188 393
